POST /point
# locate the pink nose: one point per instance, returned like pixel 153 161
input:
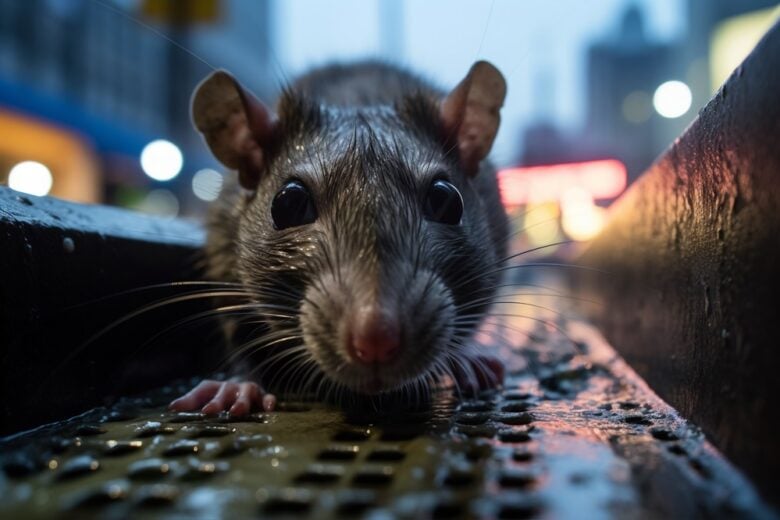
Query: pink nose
pixel 375 336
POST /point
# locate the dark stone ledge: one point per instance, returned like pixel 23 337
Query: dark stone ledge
pixel 64 270
pixel 691 261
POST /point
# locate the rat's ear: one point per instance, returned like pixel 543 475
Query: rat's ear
pixel 237 126
pixel 470 113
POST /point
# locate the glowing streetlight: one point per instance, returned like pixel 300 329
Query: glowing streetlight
pixel 161 160
pixel 672 99
pixel 30 177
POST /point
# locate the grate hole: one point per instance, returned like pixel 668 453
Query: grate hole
pixel 182 447
pixel 231 449
pixel 677 449
pixel 183 417
pixel 116 448
pixel 518 406
pixel 87 430
pixel 476 406
pixel 445 510
pixel 521 418
pixel 107 494
pixel 374 477
pixel 341 453
pixel 700 468
pixel 663 435
pixel 148 469
pixel 458 478
pixel 355 503
pixel 352 435
pixel 198 470
pixel 319 475
pixel 78 466
pixel 522 456
pixel 156 495
pixel 386 455
pixel 514 436
pixel 637 419
pixel 21 465
pixel 480 430
pixel 211 430
pixel 477 452
pixel 516 479
pixel 518 510
pixel 152 428
pixel 517 396
pixel 256 418
pixel 472 418
pixel 401 434
pixel 286 506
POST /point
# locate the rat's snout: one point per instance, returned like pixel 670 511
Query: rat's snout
pixel 375 335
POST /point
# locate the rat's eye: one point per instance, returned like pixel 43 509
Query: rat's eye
pixel 443 203
pixel 293 206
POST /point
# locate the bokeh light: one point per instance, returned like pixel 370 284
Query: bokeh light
pixel 31 177
pixel 160 202
pixel 637 107
pixel 206 184
pixel 540 225
pixel 581 219
pixel 672 99
pixel 161 160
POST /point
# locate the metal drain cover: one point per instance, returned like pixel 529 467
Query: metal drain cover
pixel 573 433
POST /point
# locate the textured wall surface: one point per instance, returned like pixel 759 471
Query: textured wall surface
pixel 64 272
pixel 691 261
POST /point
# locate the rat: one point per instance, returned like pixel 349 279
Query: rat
pixel 364 226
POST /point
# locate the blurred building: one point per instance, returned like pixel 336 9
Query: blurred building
pixel 93 81
pixel 623 72
pixel 623 69
pixel 705 20
pixel 641 94
pixel 626 112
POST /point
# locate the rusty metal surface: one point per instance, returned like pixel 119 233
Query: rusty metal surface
pixel 690 278
pixel 64 270
pixel 574 433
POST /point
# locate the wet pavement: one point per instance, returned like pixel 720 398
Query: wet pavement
pixel 573 433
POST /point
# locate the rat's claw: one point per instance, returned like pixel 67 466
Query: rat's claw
pixel 216 396
pixel 248 394
pixel 223 400
pixel 197 397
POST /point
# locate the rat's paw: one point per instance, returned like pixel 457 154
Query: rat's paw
pixel 479 372
pixel 237 397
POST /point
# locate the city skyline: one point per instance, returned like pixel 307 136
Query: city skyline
pixel 443 38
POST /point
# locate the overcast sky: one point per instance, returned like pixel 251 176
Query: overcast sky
pixel 441 38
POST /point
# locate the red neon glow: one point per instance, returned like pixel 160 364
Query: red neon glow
pixel 605 179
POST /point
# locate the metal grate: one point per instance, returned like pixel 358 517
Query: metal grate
pixel 574 431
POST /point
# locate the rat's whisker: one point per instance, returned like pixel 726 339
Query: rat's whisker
pixel 166 285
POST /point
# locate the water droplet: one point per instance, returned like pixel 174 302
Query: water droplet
pixel 68 245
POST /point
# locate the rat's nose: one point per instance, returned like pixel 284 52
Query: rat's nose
pixel 375 336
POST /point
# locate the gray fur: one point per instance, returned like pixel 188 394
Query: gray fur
pixel 366 141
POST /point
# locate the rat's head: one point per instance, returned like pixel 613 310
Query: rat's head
pixel 367 220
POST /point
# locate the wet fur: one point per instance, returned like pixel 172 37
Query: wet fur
pixel 366 140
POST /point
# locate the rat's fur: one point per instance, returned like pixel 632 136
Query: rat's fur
pixel 367 141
